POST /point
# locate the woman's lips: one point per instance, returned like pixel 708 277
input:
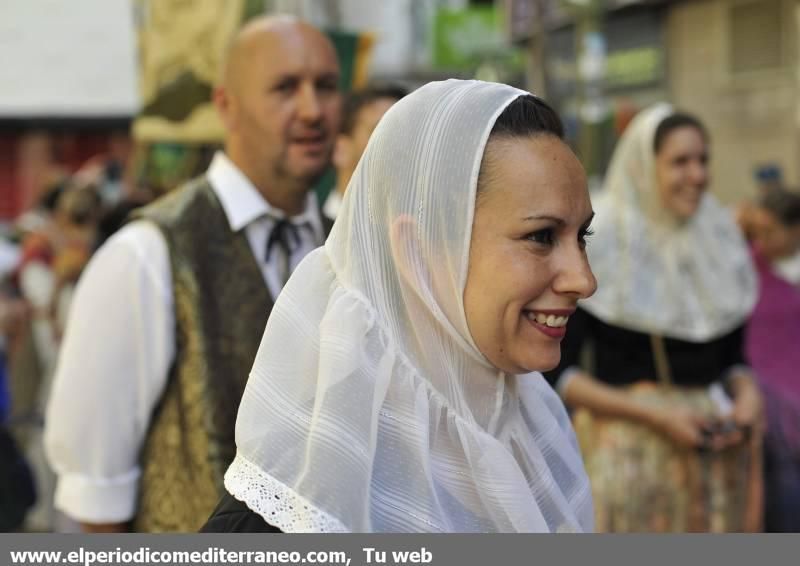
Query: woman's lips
pixel 552 323
pixel 548 330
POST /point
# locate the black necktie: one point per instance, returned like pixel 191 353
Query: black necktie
pixel 282 242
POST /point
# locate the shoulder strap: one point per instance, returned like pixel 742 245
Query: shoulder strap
pixel 663 371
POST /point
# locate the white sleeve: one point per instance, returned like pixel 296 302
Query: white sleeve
pixel 563 380
pixel 37 283
pixel 117 350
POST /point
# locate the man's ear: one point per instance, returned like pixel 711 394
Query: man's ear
pixel 225 106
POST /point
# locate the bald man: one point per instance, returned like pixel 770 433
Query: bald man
pixel 167 318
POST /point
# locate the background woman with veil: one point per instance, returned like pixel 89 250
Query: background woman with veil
pixel 665 408
pixel 396 387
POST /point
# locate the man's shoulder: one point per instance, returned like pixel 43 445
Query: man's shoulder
pixel 175 205
pixel 139 234
pixel 139 243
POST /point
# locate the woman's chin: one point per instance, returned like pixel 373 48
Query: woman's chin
pixel 541 361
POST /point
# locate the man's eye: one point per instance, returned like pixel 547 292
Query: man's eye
pixel 285 86
pixel 328 86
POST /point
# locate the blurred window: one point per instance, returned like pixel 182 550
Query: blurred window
pixel 757 36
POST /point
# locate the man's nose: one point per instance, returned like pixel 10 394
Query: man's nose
pixel 308 106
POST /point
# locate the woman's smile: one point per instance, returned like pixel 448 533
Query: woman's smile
pixel 551 323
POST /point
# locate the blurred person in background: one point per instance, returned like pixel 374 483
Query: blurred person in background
pixel 38 169
pixel 107 170
pixel 768 178
pixel 77 216
pixel 168 316
pixel 17 492
pixel 111 172
pixel 772 342
pixel 53 258
pixel 774 231
pixel 54 254
pixel 35 348
pixel 666 411
pixel 9 256
pixel 39 237
pixel 360 114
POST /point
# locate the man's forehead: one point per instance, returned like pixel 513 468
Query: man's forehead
pixel 296 50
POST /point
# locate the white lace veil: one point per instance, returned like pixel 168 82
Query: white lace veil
pixel 369 408
pixel 693 281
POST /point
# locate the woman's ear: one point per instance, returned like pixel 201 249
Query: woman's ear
pixel 406 248
pixel 424 276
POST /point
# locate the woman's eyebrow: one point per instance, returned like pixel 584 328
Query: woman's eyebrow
pixel 556 219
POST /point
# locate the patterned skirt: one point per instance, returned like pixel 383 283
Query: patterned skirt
pixel 642 482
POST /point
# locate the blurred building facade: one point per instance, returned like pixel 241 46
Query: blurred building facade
pixel 734 63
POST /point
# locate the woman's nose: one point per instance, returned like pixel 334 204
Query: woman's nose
pixel 576 277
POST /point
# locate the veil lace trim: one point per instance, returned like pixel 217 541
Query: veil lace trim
pixel 278 504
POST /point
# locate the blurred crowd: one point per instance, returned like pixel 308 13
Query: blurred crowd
pixel 42 254
pixel 46 248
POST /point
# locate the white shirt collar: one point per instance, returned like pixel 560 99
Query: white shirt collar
pixel 243 203
pixel 332 204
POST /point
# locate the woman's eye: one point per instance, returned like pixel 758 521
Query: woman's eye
pixel 584 236
pixel 545 237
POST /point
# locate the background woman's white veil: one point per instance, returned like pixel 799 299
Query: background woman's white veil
pixel 369 408
pixel 689 280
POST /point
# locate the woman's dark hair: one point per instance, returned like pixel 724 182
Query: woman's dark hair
pixel 785 205
pixel 525 117
pixel 528 116
pixel 673 122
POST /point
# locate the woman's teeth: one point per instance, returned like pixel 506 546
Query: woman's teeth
pixel 548 320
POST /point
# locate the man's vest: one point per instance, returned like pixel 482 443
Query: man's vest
pixel 221 308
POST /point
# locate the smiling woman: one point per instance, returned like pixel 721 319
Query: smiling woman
pixel 665 407
pixel 396 387
pixel 681 160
